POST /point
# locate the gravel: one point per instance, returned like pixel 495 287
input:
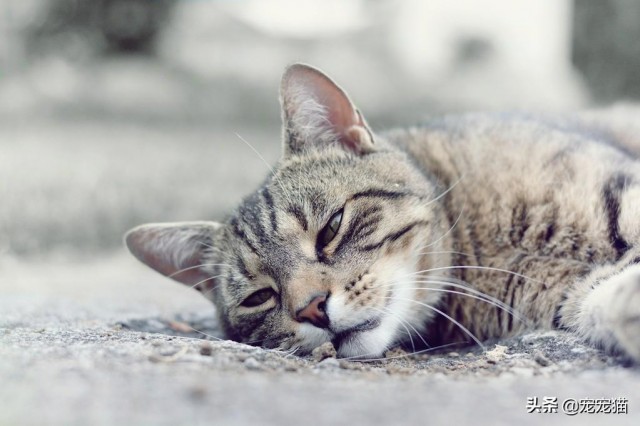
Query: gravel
pixel 115 344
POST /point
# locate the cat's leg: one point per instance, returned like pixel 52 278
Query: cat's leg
pixel 604 308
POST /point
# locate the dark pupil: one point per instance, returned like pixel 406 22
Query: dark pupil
pixel 329 232
pixel 258 298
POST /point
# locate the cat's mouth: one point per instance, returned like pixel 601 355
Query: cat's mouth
pixel 346 336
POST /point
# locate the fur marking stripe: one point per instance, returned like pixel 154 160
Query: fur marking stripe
pixel 242 267
pixel 297 213
pixel 394 236
pixel 235 226
pixel 357 225
pixel 611 194
pixel 268 199
pixel 513 266
pixel 379 193
pixel 348 235
pixel 519 285
pixel 557 316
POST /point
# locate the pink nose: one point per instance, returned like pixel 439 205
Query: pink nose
pixel 315 312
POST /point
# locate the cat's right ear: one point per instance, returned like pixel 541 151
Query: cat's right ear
pixel 317 112
pixel 176 250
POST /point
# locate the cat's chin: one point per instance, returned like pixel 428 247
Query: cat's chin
pixel 366 344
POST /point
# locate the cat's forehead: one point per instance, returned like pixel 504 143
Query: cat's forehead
pixel 313 183
pixel 329 172
pixel 323 163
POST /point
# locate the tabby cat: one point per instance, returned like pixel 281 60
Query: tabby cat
pixel 462 229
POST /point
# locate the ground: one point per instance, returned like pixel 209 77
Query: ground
pixel 110 342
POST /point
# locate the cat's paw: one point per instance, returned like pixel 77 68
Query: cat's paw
pixel 627 320
pixel 615 311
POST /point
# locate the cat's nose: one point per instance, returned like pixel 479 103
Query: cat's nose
pixel 315 312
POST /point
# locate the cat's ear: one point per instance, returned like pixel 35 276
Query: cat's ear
pixel 316 111
pixel 174 249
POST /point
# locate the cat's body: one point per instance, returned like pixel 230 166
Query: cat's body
pixel 467 227
pixel 551 200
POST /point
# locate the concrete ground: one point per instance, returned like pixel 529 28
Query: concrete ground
pixel 107 341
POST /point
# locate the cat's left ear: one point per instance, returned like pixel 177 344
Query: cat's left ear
pixel 176 250
pixel 316 111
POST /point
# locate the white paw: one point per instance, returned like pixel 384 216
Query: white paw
pixel 614 307
pixel 627 327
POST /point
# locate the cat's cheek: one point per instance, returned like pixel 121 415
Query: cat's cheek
pixel 412 298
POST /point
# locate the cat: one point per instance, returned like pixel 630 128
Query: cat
pixel 462 229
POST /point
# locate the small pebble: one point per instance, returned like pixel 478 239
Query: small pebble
pixel 206 349
pixel 540 358
pixel 252 364
pixel 498 353
pixel 325 350
pixel 396 352
pixel 453 354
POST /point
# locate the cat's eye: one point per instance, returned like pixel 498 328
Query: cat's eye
pixel 328 233
pixel 258 298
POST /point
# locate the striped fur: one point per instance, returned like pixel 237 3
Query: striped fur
pixel 535 217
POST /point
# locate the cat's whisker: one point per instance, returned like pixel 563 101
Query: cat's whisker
pixel 483 297
pixel 210 247
pixel 476 294
pixel 284 353
pixel 501 306
pixel 458 283
pixel 451 252
pixel 209 290
pixel 204 281
pixel 202 243
pixel 273 173
pixel 196 267
pixel 448 231
pixel 361 358
pixel 483 268
pixel 388 311
pixel 397 318
pixel 445 192
pixel 453 282
pixel 217 339
pixel 292 351
pixel 430 349
pixel 453 320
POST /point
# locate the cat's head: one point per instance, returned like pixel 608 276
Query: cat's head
pixel 327 249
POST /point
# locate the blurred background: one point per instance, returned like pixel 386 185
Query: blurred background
pixel 119 112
